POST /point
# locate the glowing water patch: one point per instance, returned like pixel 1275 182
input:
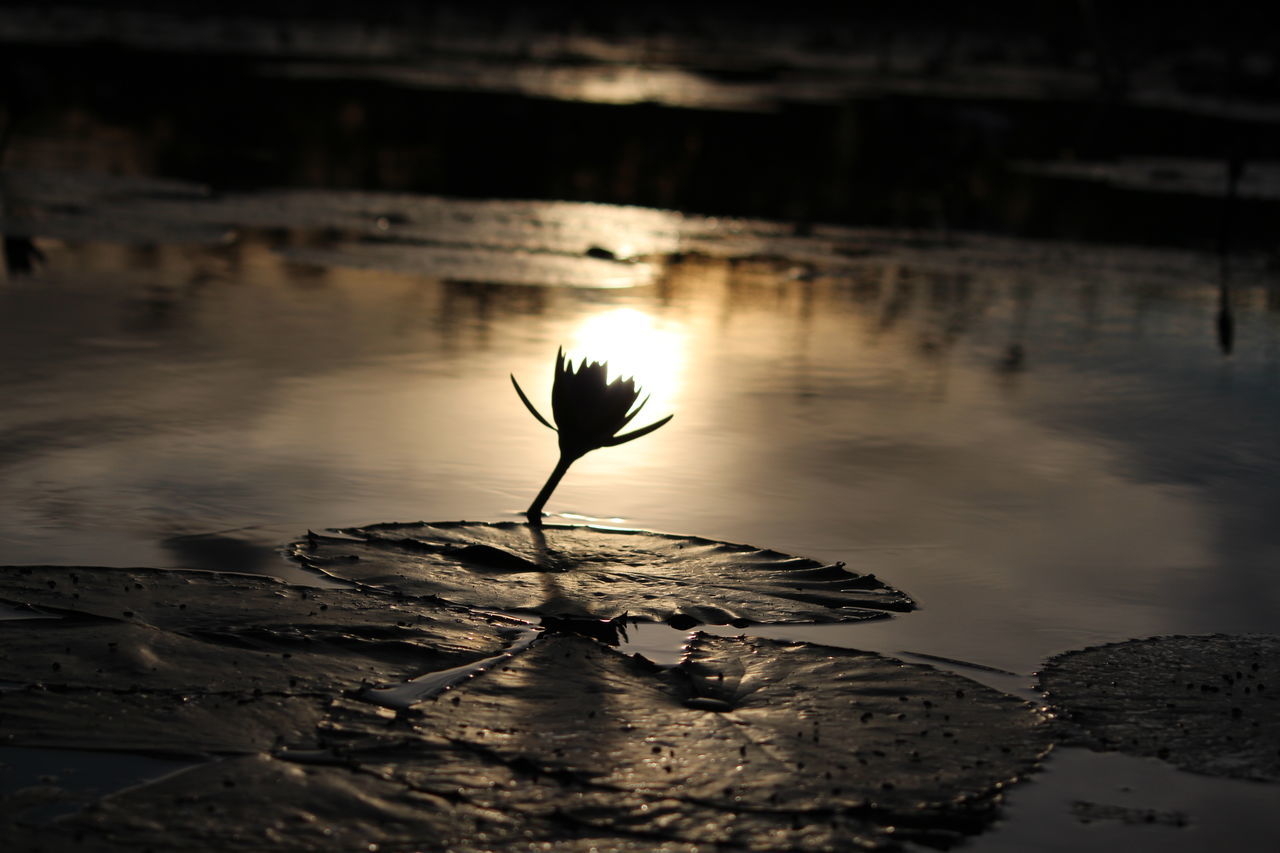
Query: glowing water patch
pixel 634 344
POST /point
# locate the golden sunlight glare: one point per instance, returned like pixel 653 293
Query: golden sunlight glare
pixel 633 344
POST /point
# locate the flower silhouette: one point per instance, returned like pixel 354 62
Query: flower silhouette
pixel 589 411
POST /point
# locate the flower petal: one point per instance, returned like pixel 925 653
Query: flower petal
pixel 626 419
pixel 529 405
pixel 634 434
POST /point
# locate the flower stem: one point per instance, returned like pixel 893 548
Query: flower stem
pixel 534 513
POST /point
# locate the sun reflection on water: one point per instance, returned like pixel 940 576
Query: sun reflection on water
pixel 634 343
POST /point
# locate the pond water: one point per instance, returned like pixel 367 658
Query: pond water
pixel 1050 440
pixel 1046 446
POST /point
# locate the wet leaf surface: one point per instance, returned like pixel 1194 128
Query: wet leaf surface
pixel 604 573
pixel 1209 704
pixel 754 743
pixel 172 662
pixel 750 743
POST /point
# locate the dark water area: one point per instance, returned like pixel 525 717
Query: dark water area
pixel 851 120
pixel 989 307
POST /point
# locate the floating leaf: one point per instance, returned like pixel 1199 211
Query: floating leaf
pixel 186 662
pixel 1208 704
pixel 587 571
pixel 753 744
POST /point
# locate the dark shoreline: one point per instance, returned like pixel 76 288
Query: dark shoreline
pixel 848 144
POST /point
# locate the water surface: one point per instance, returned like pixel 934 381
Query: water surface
pixel 1046 445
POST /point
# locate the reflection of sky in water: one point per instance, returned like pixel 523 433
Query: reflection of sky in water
pixel 1044 464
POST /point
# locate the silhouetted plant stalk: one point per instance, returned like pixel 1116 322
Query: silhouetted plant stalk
pixel 588 412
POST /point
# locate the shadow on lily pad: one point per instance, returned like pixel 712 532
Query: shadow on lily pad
pixel 603 573
pixel 187 663
pixel 753 743
pixel 1208 704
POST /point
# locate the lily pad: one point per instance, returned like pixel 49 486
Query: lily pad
pixel 178 662
pixel 1209 704
pixel 599 572
pixel 750 743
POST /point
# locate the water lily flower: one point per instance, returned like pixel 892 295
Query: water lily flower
pixel 589 411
